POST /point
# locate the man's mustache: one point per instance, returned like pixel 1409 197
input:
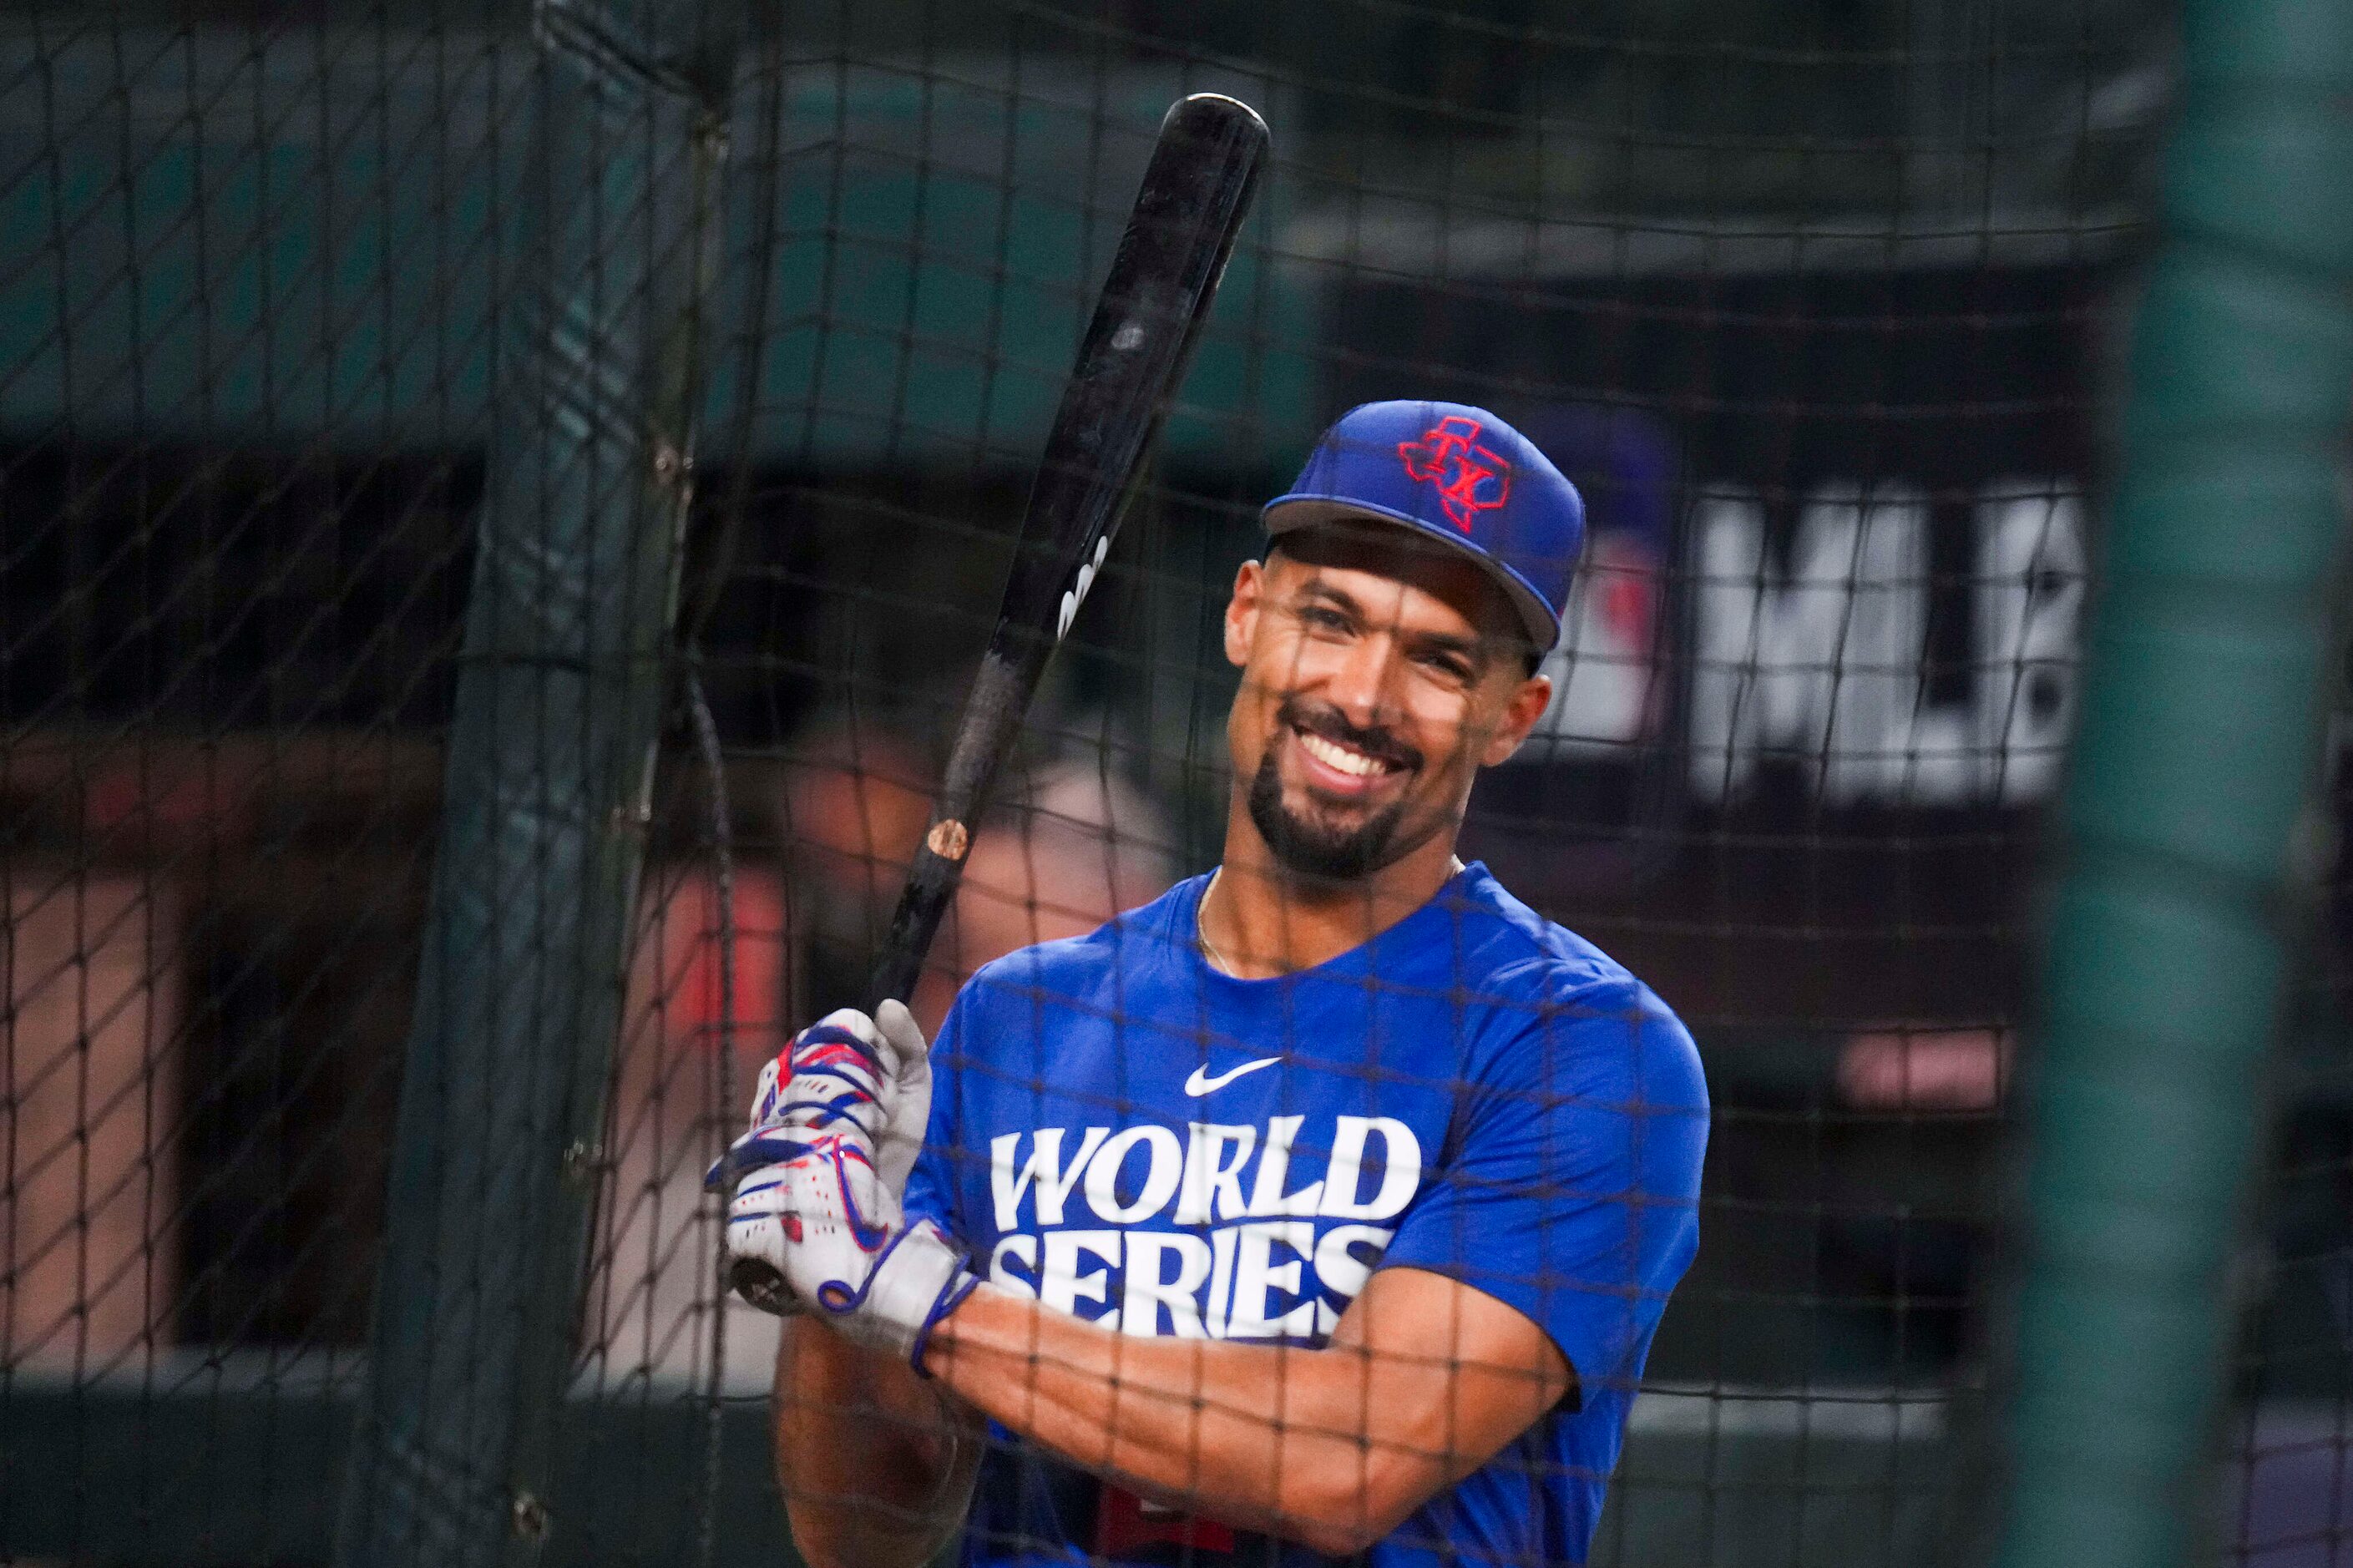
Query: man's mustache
pixel 1321 719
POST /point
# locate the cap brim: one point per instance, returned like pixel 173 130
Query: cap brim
pixel 1289 514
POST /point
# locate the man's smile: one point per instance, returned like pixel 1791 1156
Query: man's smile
pixel 1338 759
pixel 1342 759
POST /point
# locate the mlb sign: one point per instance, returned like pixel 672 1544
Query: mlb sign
pixel 1806 648
pixel 1822 661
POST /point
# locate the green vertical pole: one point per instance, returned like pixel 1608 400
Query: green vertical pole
pixel 551 751
pixel 2167 952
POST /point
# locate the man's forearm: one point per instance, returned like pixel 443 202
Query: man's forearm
pixel 1257 1436
pixel 876 1469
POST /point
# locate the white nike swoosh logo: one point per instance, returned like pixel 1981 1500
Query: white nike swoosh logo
pixel 1201 1083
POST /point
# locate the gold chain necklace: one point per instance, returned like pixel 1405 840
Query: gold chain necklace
pixel 1201 929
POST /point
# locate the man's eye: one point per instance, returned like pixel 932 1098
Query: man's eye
pixel 1324 620
pixel 1453 667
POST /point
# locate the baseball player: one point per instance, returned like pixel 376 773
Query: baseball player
pixel 1325 1205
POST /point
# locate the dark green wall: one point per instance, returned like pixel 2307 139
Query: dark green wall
pixel 226 238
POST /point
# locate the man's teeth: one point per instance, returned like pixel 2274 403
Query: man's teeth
pixel 1332 755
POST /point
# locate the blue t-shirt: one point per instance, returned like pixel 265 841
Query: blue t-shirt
pixel 1139 1139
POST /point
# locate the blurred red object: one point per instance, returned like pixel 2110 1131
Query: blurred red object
pixel 686 984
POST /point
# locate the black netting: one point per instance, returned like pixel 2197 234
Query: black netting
pixel 1819 306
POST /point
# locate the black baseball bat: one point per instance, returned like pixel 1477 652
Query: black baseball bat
pixel 1205 168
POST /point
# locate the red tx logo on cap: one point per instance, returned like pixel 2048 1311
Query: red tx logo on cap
pixel 1470 478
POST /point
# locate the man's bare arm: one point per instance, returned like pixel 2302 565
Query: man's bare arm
pixel 1424 1381
pixel 876 1465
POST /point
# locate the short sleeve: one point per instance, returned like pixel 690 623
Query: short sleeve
pixel 1570 1192
pixel 932 1185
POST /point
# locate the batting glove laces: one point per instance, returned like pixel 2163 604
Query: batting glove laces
pixel 827 1222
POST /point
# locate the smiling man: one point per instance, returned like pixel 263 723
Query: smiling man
pixel 1323 1206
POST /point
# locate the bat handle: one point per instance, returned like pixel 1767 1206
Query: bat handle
pixel 761 1286
pixel 1008 673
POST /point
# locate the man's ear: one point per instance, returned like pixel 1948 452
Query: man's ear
pixel 1242 612
pixel 1519 716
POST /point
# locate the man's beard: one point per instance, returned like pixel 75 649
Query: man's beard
pixel 1327 853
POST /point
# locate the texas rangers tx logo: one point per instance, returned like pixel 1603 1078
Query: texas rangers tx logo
pixel 1470 478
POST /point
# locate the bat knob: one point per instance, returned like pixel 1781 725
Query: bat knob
pixel 762 1287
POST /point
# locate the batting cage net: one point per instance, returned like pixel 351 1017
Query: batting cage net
pixel 498 514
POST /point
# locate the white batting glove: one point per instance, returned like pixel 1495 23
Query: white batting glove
pixel 847 1075
pixel 875 1074
pixel 826 1221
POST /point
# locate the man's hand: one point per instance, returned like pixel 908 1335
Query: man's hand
pixel 817 1206
pixel 827 1221
pixel 847 1070
pixel 873 1073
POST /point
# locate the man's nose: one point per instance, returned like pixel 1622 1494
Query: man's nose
pixel 1362 685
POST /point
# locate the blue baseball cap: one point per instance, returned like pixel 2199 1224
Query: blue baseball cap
pixel 1457 475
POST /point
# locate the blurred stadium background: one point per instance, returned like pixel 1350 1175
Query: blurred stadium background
pixel 1824 304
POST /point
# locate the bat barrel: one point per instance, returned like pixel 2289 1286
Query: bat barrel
pixel 1205 167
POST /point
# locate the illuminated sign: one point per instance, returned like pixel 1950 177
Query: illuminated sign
pixel 1824 663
